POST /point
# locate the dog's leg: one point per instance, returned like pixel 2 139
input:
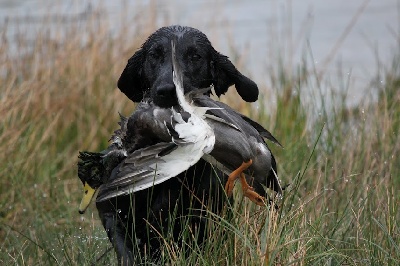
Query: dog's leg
pixel 117 235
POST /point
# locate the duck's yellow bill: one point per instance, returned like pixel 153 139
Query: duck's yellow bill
pixel 87 197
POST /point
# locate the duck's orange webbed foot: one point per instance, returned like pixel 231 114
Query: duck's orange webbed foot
pixel 249 192
pixel 230 184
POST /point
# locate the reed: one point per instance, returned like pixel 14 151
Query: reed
pixel 58 95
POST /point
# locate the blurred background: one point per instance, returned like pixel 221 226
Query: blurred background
pixel 329 79
pixel 340 37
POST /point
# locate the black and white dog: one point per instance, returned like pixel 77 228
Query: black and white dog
pixel 135 222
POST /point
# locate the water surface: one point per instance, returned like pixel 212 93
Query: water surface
pixel 260 30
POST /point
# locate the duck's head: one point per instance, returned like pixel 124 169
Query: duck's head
pixel 90 171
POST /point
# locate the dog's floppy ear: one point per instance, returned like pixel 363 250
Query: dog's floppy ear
pixel 226 74
pixel 131 82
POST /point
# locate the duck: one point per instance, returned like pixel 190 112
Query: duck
pixel 155 144
pixel 240 150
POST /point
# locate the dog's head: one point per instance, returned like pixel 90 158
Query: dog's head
pixel 149 71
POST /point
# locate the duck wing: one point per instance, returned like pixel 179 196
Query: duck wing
pixel 157 163
pixel 141 169
pixel 232 117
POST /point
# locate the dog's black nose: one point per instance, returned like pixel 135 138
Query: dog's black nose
pixel 166 91
pixel 165 95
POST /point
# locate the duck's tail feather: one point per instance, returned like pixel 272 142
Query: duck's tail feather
pixel 263 132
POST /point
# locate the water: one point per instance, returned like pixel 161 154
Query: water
pixel 259 30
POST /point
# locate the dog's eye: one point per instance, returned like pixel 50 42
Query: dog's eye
pixel 195 57
pixel 154 55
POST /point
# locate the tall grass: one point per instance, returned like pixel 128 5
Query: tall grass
pixel 58 96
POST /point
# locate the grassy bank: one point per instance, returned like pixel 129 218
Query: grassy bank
pixel 58 96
